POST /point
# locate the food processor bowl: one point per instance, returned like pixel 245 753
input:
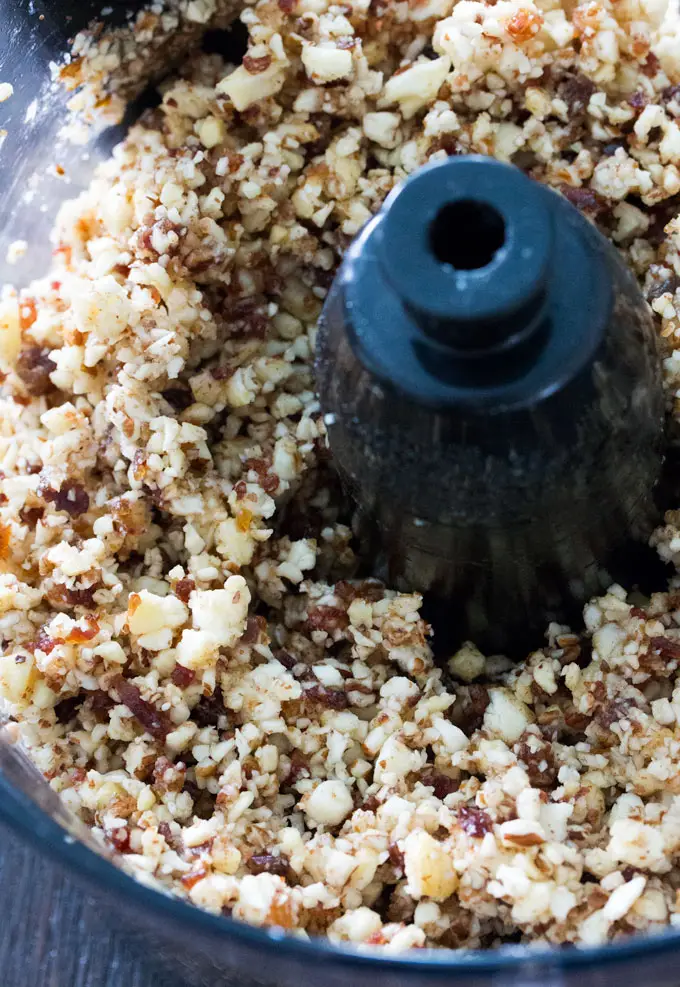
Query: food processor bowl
pixel 207 950
pixel 215 951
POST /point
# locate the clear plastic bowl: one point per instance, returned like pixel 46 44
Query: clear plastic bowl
pixel 208 950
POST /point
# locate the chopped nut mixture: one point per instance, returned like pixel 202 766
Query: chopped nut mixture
pixel 187 651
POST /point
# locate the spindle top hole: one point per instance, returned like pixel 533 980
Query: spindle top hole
pixel 467 235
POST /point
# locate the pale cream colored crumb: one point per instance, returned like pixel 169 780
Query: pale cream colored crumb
pixel 16 250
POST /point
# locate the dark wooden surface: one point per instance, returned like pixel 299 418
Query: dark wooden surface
pixel 48 937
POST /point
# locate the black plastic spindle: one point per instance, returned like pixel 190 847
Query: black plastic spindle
pixel 492 389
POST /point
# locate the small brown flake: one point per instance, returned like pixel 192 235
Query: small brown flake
pixel 475 822
pixel 70 497
pixel 34 366
pixel 442 784
pixel 153 720
pixel 184 588
pixel 396 857
pixel 666 647
pixel 268 863
pixel 326 696
pixel 209 709
pixel 329 619
pixel 256 65
pixel 182 677
pixel 585 200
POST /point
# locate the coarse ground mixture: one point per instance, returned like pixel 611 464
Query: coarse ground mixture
pixel 189 660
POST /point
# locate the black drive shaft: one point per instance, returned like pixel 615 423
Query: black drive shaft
pixel 491 384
